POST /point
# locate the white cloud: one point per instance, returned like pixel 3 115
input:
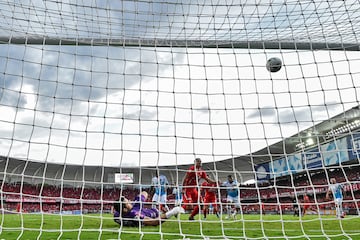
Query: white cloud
pixel 143 106
pixel 219 117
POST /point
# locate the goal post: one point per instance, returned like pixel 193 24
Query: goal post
pixel 103 100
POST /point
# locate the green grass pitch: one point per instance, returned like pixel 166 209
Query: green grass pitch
pixel 27 226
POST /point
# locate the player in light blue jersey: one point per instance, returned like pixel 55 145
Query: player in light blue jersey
pixel 336 190
pixel 160 185
pixel 233 197
pixel 177 192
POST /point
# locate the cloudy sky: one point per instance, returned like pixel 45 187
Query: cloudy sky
pixel 130 106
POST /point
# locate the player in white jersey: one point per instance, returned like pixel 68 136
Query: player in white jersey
pixel 336 190
pixel 160 185
pixel 233 196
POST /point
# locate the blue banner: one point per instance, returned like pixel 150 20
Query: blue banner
pixel 331 153
pixel 278 168
pixel 312 158
pixel 295 163
pixel 262 171
pixel 335 152
pixel 354 146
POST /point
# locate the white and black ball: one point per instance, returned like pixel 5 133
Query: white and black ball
pixel 273 64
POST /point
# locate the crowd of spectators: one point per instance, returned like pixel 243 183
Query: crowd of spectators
pixel 273 197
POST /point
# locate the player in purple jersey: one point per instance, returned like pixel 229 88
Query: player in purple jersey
pixel 131 213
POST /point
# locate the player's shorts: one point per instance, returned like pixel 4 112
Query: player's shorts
pixel 234 200
pixel 191 195
pixel 338 201
pixel 159 198
pixel 306 206
pixel 210 199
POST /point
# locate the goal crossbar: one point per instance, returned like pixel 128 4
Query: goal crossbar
pixel 182 43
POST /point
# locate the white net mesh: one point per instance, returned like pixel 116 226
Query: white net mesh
pixel 99 97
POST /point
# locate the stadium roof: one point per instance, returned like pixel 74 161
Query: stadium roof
pixel 320 132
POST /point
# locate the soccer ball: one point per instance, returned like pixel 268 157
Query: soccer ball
pixel 273 64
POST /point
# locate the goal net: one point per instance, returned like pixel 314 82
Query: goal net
pixel 102 100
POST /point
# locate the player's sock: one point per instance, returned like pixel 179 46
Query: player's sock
pixel 195 211
pixel 205 213
pixel 233 215
pixel 174 211
pixel 228 210
pixel 337 209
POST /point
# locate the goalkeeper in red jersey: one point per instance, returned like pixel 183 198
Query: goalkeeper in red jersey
pixel 210 191
pixel 191 196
